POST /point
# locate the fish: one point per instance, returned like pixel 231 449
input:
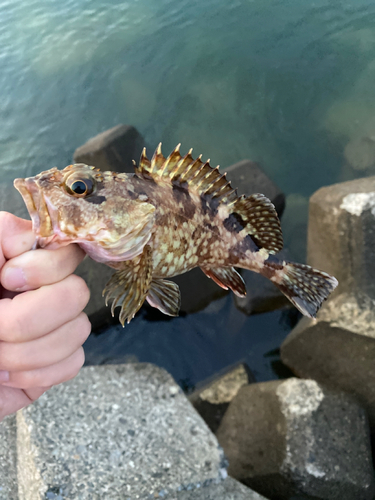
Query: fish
pixel 171 215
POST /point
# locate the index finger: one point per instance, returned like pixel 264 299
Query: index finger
pixel 16 236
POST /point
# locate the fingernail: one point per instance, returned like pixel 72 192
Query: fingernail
pixel 14 278
pixel 4 376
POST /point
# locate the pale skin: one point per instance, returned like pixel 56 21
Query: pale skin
pixel 42 326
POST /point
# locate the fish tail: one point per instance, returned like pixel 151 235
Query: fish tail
pixel 307 288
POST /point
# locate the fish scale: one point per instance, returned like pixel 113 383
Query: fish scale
pixel 171 215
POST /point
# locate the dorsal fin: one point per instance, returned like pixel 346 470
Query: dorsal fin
pixel 257 215
pixel 185 171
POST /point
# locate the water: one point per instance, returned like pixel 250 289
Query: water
pixel 289 84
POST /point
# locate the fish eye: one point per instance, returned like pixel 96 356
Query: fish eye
pixel 79 187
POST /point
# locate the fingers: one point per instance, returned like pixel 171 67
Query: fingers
pixel 45 351
pixel 41 267
pixel 16 236
pixel 33 314
pixel 54 374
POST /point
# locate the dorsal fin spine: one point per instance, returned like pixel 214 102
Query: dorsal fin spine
pixel 183 171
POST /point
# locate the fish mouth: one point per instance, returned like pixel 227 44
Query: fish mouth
pixel 37 208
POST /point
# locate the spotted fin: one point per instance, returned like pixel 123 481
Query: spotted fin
pixel 165 296
pixel 185 171
pixel 305 287
pixel 257 216
pixel 130 285
pixel 227 277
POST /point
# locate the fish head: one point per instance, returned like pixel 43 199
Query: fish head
pixel 81 204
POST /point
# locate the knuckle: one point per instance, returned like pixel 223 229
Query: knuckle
pixel 12 326
pixel 83 326
pixel 11 357
pixel 79 359
pixel 81 290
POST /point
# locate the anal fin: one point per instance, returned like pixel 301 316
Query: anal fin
pixel 129 285
pixel 227 277
pixel 165 296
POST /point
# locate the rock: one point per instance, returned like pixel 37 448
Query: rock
pixel 261 294
pixel 8 458
pixel 338 349
pixel 96 276
pixel 225 490
pixel 113 149
pixel 341 236
pixel 120 432
pixel 211 399
pixel 360 153
pixel 294 438
pixel 197 291
pixel 249 178
pixel 294 225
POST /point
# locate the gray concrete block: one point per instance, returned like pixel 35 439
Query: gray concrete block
pixel 341 236
pixel 226 490
pixel 8 459
pixel 113 149
pixel 337 349
pixel 261 294
pixel 116 432
pixel 249 178
pixel 96 276
pixel 212 397
pixel 294 438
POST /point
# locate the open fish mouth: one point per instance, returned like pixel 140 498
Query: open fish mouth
pixel 37 208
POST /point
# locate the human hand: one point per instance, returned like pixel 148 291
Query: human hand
pixel 42 326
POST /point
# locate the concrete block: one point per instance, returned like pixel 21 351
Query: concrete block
pixel 261 294
pixel 8 459
pixel 118 432
pixel 226 490
pixel 113 149
pixel 337 349
pixel 294 438
pixel 212 397
pixel 248 177
pixel 341 236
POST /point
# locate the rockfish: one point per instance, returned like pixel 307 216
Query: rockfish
pixel 171 215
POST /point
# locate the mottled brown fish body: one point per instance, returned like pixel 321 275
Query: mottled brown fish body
pixel 172 215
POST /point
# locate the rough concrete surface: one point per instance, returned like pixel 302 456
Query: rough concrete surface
pixel 248 177
pixel 8 459
pixel 294 438
pixel 341 236
pixel 113 149
pixel 337 349
pixel 225 490
pixel 261 294
pixel 115 432
pixel 212 397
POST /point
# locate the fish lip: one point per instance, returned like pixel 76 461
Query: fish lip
pixel 37 208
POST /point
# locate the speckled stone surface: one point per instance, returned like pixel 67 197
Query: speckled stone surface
pixel 115 432
pixel 295 439
pixel 226 490
pixel 8 458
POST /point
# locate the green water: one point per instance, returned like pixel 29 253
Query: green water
pixel 289 84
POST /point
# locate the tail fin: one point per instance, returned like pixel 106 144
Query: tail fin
pixel 305 287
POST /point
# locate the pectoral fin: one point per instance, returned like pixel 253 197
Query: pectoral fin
pixel 227 277
pixel 165 296
pixel 130 285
